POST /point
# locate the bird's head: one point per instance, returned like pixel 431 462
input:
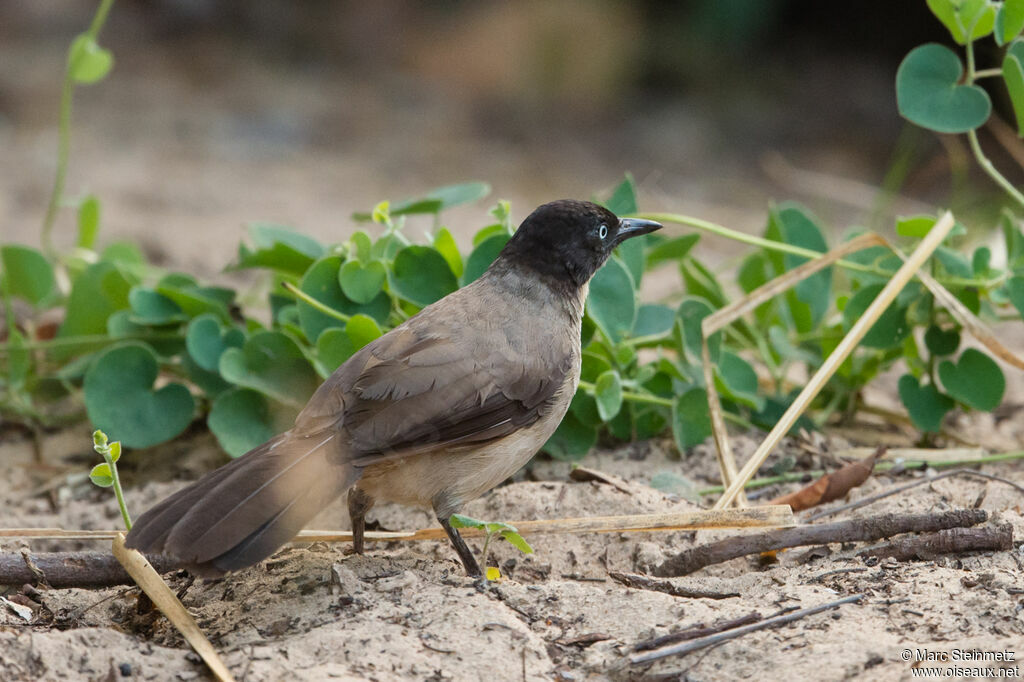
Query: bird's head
pixel 568 240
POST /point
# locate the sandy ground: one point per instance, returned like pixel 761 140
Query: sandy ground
pixel 406 611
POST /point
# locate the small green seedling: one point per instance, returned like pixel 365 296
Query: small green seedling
pixel 492 528
pixel 105 475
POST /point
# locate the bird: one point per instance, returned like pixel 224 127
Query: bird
pixel 434 413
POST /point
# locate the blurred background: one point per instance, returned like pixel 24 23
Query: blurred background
pixel 220 112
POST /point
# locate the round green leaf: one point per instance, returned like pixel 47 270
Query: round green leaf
pixel 271 363
pixel 691 421
pixel 26 273
pixel 975 380
pixel 150 308
pixel 445 244
pixel 671 250
pixel 1009 21
pixel 653 319
pixel 483 255
pixel 928 92
pixel 101 475
pixel 689 314
pixel 608 393
pixel 362 282
pixel 925 405
pixel 1013 75
pixel 278 248
pixel 321 282
pixel 97 293
pixel 889 329
pixel 334 347
pixel 612 301
pixel 421 275
pixel 941 342
pixel 120 399
pixel 207 339
pixel 87 61
pixel 572 440
pixel 737 380
pixel 517 541
pixel 242 419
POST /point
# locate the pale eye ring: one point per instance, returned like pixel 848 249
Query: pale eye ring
pixel 602 231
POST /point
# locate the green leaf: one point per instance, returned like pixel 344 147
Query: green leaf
pixel 486 233
pixel 26 273
pixel 608 393
pixel 941 342
pixel 278 248
pixel 483 255
pixel 691 422
pixel 631 253
pixel 1013 74
pixel 321 282
pixel 360 245
pixel 963 18
pixel 443 198
pixel 101 475
pixel 889 329
pixel 915 226
pixel 690 314
pixel 928 92
pixel 333 348
pixel 463 521
pixel 362 282
pixel 445 244
pixel 88 222
pixel 623 198
pixel 517 541
pixel 421 275
pixel 808 301
pixel 87 61
pixel 362 329
pixel 19 359
pixel 701 282
pixel 98 292
pixel 925 405
pixel 271 363
pixel 1009 21
pixel 195 300
pixel 612 302
pixel 975 380
pixel 151 309
pixel 114 449
pixel 572 440
pixel 737 380
pixel 206 340
pixel 671 250
pixel 241 419
pixel 653 319
pixel 120 399
pixel 981 262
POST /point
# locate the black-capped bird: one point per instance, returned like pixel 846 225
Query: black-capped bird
pixel 434 413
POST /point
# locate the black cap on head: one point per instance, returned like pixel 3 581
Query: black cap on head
pixel 568 240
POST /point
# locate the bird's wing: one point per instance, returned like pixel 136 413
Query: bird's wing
pixel 412 391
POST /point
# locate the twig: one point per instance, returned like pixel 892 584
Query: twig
pixel 871 499
pixel 853 530
pixel 70 569
pixel 699 630
pixel 949 541
pixel 710 640
pixel 644 582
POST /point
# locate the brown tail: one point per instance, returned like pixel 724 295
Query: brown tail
pixel 246 510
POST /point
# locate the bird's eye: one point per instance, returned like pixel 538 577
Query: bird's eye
pixel 602 231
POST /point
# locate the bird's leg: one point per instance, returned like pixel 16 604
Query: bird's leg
pixel 461 548
pixel 358 504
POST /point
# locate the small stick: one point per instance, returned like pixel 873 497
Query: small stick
pixel 710 640
pixel 696 631
pixel 644 582
pixel 853 530
pixel 71 569
pixel 949 541
pixel 864 501
pixel 156 589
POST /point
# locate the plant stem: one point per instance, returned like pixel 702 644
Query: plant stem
pixel 782 247
pixel 988 73
pixel 64 134
pixel 117 489
pixel 310 301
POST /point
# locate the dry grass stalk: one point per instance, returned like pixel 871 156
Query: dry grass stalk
pixel 154 586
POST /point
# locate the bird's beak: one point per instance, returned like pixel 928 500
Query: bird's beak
pixel 634 227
